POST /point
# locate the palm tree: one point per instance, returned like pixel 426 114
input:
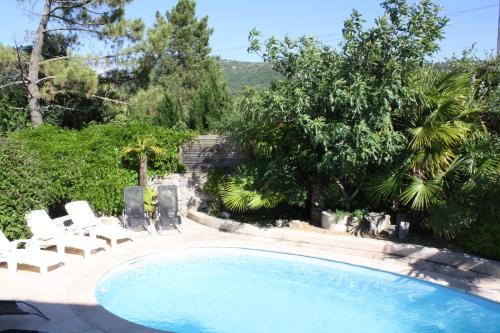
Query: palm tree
pixel 443 119
pixel 144 148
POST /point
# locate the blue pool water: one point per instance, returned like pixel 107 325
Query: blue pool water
pixel 237 290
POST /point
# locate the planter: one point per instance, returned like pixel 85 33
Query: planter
pixel 330 221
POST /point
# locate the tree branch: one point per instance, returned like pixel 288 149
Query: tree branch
pixel 68 5
pixel 47 78
pixel 61 107
pixel 97 32
pixel 54 59
pixel 19 62
pixel 109 100
pixel 93 96
pixel 11 84
pixel 75 22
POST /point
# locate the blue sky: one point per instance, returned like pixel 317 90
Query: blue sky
pixel 472 21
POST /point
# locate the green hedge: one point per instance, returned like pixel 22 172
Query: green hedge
pixel 54 166
pixel 23 186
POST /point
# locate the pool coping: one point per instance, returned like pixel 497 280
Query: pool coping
pixel 460 261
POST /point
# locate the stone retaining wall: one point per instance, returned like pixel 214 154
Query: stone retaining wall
pixel 189 189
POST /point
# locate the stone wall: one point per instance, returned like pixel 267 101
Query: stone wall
pixel 189 189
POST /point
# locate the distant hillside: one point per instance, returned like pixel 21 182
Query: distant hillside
pixel 241 74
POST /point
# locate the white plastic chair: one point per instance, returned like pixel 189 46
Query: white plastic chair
pixel 32 255
pixel 82 216
pixel 48 233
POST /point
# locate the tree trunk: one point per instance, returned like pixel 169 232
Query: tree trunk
pixel 317 203
pixel 34 67
pixel 143 170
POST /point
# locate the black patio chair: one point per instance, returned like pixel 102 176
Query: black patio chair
pixel 134 215
pixel 168 209
pixel 11 308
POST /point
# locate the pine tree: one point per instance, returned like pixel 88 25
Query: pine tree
pixel 176 56
pixel 68 19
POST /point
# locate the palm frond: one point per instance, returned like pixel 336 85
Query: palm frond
pixel 384 185
pixel 422 136
pixel 422 194
pixel 237 198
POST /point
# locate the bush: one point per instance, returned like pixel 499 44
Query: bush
pixel 23 187
pixel 51 166
pixel 482 239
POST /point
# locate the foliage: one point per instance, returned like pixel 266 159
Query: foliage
pixel 482 239
pixel 89 164
pixel 251 187
pixel 150 200
pixel 11 118
pixel 437 126
pixel 331 118
pixel 176 57
pixel 143 149
pixel 170 112
pixel 237 197
pixel 211 102
pixel 70 90
pixel 67 21
pixel 23 187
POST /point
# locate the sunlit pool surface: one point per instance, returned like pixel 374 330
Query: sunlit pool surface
pixel 239 290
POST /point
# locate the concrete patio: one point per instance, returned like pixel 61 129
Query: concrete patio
pixel 66 296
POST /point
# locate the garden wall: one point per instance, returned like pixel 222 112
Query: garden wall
pixel 189 189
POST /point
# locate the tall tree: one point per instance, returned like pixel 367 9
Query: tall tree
pixel 176 60
pixel 103 19
pixel 332 116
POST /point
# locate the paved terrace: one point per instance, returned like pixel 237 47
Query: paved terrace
pixel 66 296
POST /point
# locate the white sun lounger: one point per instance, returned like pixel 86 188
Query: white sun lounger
pixel 32 255
pixel 82 216
pixel 48 233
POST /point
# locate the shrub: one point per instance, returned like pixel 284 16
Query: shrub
pixel 51 166
pixel 23 187
pixel 482 239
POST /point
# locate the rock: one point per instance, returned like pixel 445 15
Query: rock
pixel 352 225
pixel 189 185
pixel 384 223
pixel 403 225
pixel 378 222
pixel 295 224
pixel 225 215
pixel 390 230
pixel 404 228
pixel 281 223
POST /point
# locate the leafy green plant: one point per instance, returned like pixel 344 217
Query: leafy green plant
pixel 24 186
pixel 341 213
pixel 150 200
pixel 143 149
pixel 440 123
pixel 89 164
pixel 331 118
pixel 238 196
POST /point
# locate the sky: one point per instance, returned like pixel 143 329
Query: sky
pixel 473 22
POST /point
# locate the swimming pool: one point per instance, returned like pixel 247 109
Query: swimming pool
pixel 220 290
